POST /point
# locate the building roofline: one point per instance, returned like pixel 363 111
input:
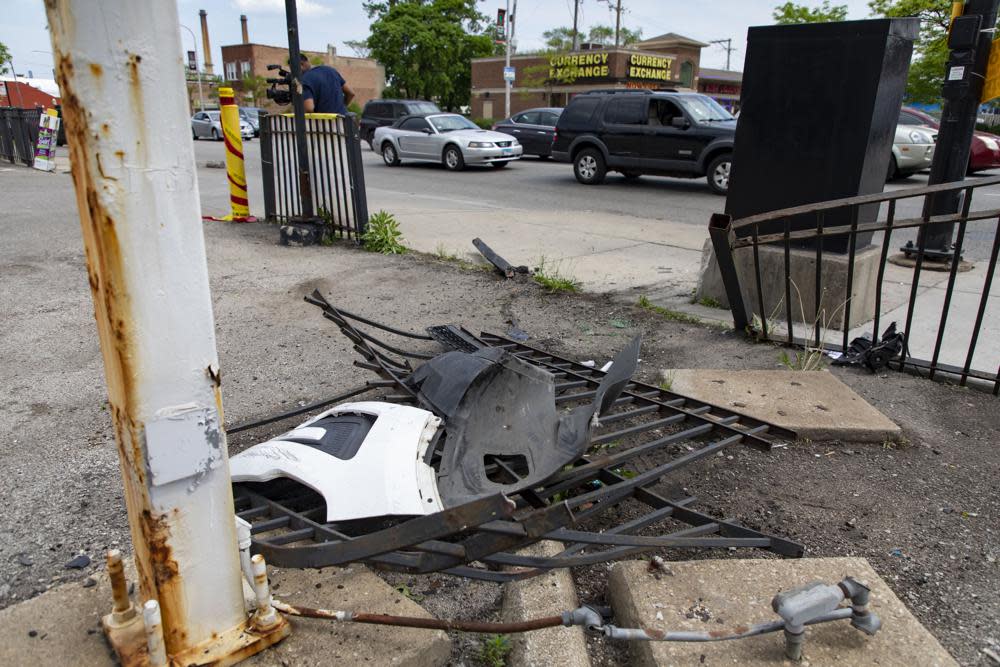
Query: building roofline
pixel 674 38
pixel 545 54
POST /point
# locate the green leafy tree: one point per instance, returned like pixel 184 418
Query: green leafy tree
pixel 426 47
pixel 791 13
pixel 255 86
pixel 559 39
pixel 4 59
pixel 931 48
pixel 605 35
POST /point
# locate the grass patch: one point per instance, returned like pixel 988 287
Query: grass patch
pixel 806 360
pixel 405 591
pixel 710 302
pixel 667 313
pixel 549 277
pixel 667 382
pixel 383 235
pixel 494 650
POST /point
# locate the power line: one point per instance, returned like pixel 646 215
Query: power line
pixel 728 48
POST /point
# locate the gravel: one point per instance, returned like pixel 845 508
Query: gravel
pixel 923 513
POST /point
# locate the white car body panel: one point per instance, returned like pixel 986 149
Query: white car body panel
pixel 912 156
pixel 386 477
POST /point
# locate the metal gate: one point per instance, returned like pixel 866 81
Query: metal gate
pixel 950 318
pixel 18 134
pixel 334 154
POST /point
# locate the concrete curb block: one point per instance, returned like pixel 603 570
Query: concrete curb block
pixel 544 595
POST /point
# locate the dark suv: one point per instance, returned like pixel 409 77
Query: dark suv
pixel 637 132
pixel 386 112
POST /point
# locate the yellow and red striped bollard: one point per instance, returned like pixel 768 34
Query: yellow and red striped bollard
pixel 230 115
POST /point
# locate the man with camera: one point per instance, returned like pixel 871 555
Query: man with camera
pixel 323 89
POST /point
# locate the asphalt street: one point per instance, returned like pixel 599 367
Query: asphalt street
pixel 535 184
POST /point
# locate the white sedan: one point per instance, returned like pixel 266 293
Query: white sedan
pixel 448 138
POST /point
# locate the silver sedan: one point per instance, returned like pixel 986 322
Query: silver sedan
pixel 208 125
pixel 448 138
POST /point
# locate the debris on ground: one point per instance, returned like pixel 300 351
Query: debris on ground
pixel 504 267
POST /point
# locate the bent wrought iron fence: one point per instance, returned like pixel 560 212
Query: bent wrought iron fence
pixel 337 176
pixel 18 134
pixel 946 315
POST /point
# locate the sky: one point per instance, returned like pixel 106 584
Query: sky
pixel 322 22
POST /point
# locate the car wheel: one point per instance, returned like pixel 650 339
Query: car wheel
pixel 893 171
pixel 194 134
pixel 717 173
pixel 589 167
pixel 631 175
pixel 215 134
pixel 452 159
pixel 499 165
pixel 371 144
pixel 389 154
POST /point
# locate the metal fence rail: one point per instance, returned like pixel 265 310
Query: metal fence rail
pixel 18 134
pixel 944 319
pixel 338 185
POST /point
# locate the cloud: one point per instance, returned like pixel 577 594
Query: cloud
pixel 305 7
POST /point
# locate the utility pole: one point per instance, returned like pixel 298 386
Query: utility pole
pixel 728 47
pixel 137 196
pixel 969 41
pixel 307 226
pixel 618 24
pixel 506 81
pixel 576 18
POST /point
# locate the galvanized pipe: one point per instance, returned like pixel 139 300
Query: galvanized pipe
pixel 154 634
pixel 118 65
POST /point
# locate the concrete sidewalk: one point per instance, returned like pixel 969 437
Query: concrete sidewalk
pixel 605 253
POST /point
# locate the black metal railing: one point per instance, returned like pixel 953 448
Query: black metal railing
pixel 18 134
pixel 944 320
pixel 338 184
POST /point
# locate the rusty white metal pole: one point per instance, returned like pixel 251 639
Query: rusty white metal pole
pixel 122 81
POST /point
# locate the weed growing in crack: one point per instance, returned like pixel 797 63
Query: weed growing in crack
pixel 494 650
pixel 383 235
pixel 549 277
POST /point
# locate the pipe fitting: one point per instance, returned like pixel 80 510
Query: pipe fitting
pixel 265 617
pixel 154 634
pixel 591 619
pixel 122 610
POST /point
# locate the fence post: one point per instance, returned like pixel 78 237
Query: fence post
pixel 359 195
pixel 137 191
pixel 721 233
pixel 267 164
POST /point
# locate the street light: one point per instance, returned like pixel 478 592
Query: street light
pixel 197 72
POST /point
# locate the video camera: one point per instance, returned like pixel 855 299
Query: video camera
pixel 284 78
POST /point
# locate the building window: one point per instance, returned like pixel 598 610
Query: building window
pixel 687 74
pixel 231 71
pixel 244 68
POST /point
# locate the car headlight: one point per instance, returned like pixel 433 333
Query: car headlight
pixel 480 144
pixel 919 137
pixel 991 143
pixel 513 142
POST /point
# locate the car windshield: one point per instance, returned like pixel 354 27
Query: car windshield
pixel 249 114
pixel 422 107
pixel 452 122
pixel 705 109
pixel 214 115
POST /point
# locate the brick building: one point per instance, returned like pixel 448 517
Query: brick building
pixel 551 79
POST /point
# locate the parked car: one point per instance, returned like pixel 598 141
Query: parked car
pixel 252 116
pixel 448 138
pixel 534 129
pixel 637 132
pixel 912 150
pixel 380 113
pixel 985 149
pixel 208 125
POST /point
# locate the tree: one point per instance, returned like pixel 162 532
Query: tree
pixel 791 13
pixel 605 35
pixel 359 46
pixel 4 59
pixel 559 39
pixel 931 48
pixel 255 86
pixel 426 47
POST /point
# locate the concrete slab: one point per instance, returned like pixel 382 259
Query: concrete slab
pixel 814 404
pixel 540 596
pixel 720 594
pixel 62 626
